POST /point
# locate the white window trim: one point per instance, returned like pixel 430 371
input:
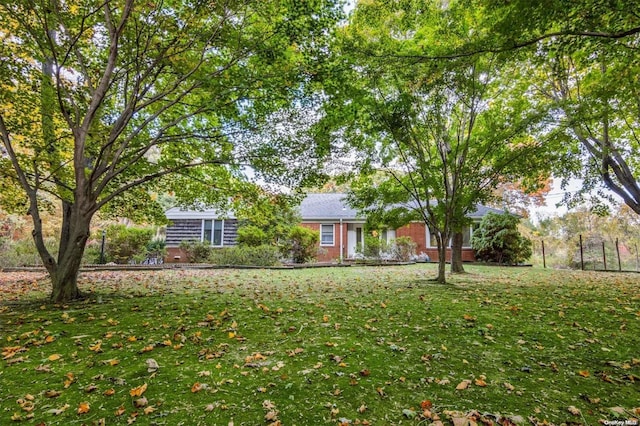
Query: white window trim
pixel 333 235
pixel 212 228
pixel 428 232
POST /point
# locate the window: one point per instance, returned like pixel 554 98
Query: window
pixel 212 232
pixel 433 242
pixel 388 235
pixel 466 237
pixel 467 233
pixel 326 235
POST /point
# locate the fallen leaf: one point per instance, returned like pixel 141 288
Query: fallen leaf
pixel 57 411
pixel 152 365
pixel 109 392
pixel 509 386
pixel 573 410
pixel 139 390
pixel 584 373
pixel 480 382
pixel 141 402
pixel 54 357
pixel 463 385
pixel 96 347
pixel 83 408
pixel 120 411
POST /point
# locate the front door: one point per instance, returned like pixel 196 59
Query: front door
pixel 355 235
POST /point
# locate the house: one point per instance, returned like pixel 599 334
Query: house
pixel 341 229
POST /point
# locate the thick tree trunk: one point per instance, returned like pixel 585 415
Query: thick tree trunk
pixel 456 253
pixel 73 238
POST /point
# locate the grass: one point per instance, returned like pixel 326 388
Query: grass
pixel 360 345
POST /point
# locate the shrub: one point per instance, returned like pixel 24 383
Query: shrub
pixel 373 247
pixel 252 236
pixel 263 255
pixel 403 249
pixel 23 252
pixel 196 251
pixel 301 244
pixel 498 240
pixel 127 243
pixel 156 250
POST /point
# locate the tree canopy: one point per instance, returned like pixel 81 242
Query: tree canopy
pixel 442 133
pixel 103 103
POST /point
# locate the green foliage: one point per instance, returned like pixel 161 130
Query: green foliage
pixel 252 236
pixel 497 239
pixel 431 138
pixel 127 244
pixel 22 252
pixel 109 104
pixel 196 251
pixel 265 218
pixel 373 247
pixel 404 248
pixel 301 244
pixel 261 255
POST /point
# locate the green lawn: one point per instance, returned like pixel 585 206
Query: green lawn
pixel 360 345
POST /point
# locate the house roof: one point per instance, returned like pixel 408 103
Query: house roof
pixel 334 206
pixel 327 206
pixel 314 207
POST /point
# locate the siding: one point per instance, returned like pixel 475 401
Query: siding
pixel 230 232
pixel 183 229
pixel 191 230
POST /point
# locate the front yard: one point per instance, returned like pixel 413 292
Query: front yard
pixel 359 345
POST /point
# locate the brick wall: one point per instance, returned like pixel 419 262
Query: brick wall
pixel 330 253
pixel 418 234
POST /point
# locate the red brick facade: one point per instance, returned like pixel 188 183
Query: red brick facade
pixel 329 253
pixel 416 231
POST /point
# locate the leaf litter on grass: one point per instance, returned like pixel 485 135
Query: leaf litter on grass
pixel 320 345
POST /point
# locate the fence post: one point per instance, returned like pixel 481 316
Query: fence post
pixel 581 254
pixel 604 256
pixel 544 260
pixel 618 252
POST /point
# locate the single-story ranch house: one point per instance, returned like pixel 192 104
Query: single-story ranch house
pixel 340 228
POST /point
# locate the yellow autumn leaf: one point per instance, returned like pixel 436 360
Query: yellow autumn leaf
pixel 83 408
pixel 54 357
pixel 480 382
pixel 139 390
pixel 96 347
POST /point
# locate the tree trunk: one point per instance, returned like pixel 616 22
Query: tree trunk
pixel 456 253
pixel 74 235
pixel 442 259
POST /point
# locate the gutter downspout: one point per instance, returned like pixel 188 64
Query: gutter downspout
pixel 341 243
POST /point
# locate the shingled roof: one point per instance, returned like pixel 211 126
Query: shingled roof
pixel 323 206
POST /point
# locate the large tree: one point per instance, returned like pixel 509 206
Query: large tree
pixel 443 132
pixel 103 101
pixel 583 62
